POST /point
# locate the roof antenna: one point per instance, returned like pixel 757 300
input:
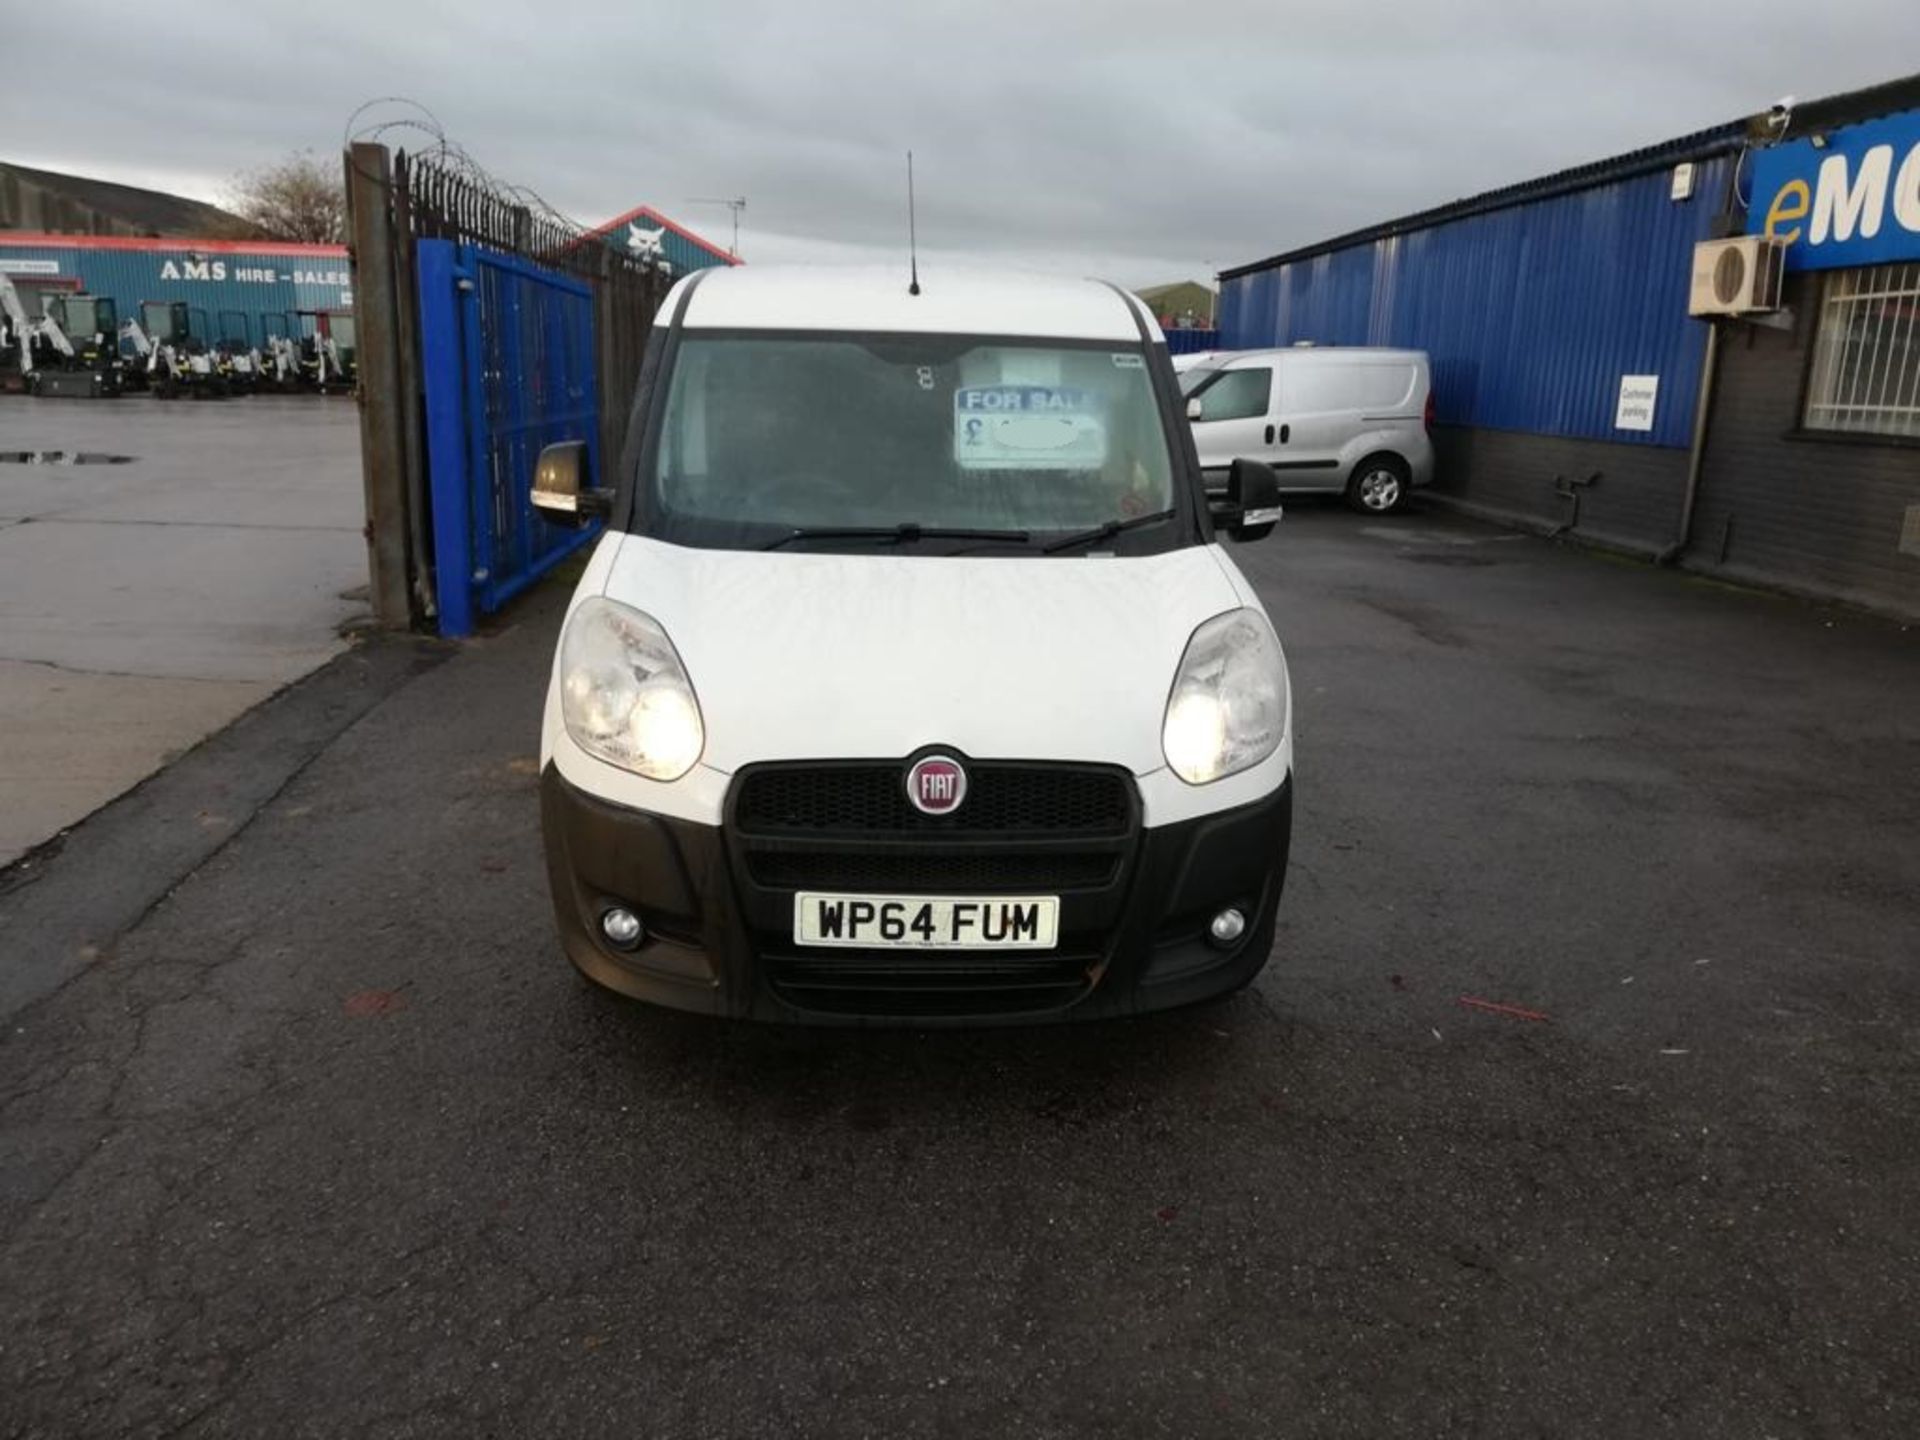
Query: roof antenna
pixel 913 238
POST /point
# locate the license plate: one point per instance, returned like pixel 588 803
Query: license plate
pixel 927 922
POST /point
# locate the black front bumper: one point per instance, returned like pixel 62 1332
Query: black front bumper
pixel 718 933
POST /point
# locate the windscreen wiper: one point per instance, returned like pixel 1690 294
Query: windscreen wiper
pixel 1107 531
pixel 893 534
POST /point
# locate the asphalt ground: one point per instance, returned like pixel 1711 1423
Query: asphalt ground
pixel 148 600
pixel 326 1138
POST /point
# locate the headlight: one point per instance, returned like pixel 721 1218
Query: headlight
pixel 1228 709
pixel 624 694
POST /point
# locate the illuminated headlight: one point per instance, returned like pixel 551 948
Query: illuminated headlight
pixel 624 694
pixel 1228 709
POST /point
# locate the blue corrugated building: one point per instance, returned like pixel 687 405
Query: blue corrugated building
pixel 238 284
pixel 1532 302
pixel 1531 309
pixel 243 287
pixel 1536 301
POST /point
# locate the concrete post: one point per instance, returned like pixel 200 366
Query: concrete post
pixel 613 411
pixel 382 416
pixel 406 295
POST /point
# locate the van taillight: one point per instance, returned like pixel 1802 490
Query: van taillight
pixel 1428 417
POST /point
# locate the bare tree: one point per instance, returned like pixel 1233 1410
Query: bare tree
pixel 298 198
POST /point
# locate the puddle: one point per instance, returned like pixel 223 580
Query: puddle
pixel 61 457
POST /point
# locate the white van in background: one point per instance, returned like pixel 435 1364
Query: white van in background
pixel 1336 419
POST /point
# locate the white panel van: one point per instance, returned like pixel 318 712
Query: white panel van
pixel 1346 420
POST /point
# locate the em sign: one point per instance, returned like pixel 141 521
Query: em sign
pixel 1853 201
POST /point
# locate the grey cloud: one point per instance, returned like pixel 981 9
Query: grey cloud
pixel 1142 140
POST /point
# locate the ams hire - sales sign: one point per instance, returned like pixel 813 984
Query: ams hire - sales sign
pixel 1854 200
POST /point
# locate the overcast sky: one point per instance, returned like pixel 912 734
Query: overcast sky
pixel 1146 142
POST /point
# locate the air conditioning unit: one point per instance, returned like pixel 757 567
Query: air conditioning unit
pixel 1740 276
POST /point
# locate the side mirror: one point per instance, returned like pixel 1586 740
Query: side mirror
pixel 1251 506
pixel 1195 409
pixel 563 485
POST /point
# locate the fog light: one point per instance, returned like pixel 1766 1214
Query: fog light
pixel 1228 926
pixel 623 927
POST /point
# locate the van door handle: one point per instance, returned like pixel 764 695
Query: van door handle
pixel 1269 434
pixel 1285 432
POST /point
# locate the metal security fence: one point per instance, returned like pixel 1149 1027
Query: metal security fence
pixel 489 328
pixel 442 204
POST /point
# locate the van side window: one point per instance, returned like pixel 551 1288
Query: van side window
pixel 1236 395
pixel 1318 389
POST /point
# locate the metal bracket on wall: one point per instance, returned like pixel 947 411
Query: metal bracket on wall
pixel 1781 319
pixel 1569 489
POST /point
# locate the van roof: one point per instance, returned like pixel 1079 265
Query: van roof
pixel 951 301
pixel 1335 352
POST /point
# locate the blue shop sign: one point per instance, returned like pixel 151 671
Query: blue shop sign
pixel 1852 200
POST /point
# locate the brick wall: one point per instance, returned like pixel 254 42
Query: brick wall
pixel 1822 517
pixel 1509 475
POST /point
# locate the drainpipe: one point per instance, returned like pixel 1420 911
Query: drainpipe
pixel 1730 212
pixel 1697 454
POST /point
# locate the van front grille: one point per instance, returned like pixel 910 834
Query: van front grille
pixel 922 872
pixel 1025 828
pixel 863 798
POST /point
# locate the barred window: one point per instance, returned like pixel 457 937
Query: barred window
pixel 1866 356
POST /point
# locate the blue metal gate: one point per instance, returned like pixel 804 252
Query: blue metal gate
pixel 507 363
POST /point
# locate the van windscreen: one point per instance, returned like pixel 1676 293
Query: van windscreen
pixel 767 434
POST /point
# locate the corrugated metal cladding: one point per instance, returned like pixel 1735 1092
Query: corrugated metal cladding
pixel 218 277
pixel 1531 313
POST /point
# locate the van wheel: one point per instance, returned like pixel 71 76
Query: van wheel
pixel 1379 485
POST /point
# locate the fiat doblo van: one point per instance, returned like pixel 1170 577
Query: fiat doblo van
pixel 910 681
pixel 1343 420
